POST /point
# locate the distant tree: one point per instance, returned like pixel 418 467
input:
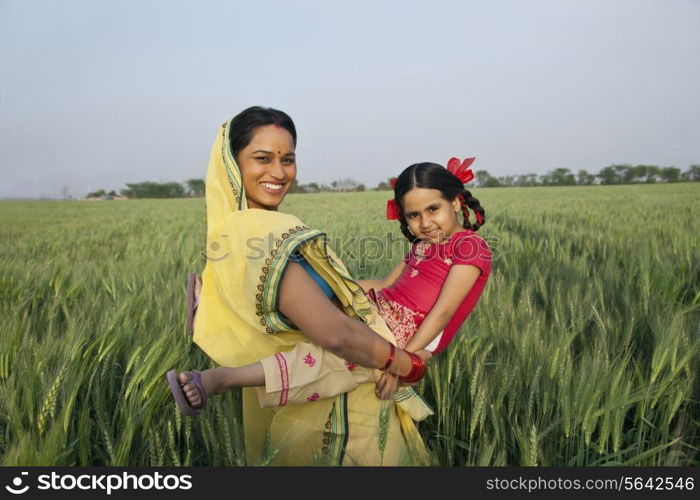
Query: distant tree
pixel 622 171
pixel 482 176
pixel 313 187
pixel 492 182
pixel 154 190
pixel 112 193
pixel 651 174
pixel 562 177
pixel 584 178
pixel 195 187
pixel 297 188
pixel 97 194
pixel 383 186
pixel 484 179
pixel 361 187
pixel 608 175
pixel 692 174
pixel 632 174
pixel 526 180
pixel 670 174
pixel 346 184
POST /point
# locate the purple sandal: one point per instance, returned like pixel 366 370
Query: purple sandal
pixel 192 302
pixel 179 395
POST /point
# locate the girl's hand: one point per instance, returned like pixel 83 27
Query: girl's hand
pixel 386 386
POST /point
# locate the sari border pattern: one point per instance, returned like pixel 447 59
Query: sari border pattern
pixel 335 437
pixel 229 161
pixel 271 276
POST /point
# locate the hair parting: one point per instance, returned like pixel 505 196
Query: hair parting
pixel 244 124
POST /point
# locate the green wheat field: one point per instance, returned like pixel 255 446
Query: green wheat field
pixel 583 349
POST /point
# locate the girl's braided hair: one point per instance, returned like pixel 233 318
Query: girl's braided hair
pixel 433 176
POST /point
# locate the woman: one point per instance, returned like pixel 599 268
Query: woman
pixel 256 301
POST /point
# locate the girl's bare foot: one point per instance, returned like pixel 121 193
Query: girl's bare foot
pixel 213 381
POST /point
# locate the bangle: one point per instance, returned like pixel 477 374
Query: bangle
pixel 391 357
pixel 417 369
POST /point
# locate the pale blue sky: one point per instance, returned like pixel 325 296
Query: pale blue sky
pixel 97 93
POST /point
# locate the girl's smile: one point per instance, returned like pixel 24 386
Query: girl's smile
pixel 429 216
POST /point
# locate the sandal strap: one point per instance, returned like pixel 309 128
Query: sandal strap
pixel 197 381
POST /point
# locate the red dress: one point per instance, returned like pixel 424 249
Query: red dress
pixel 404 304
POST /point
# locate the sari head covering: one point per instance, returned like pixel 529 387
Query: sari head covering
pixel 238 323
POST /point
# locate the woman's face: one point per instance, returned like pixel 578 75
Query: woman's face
pixel 268 167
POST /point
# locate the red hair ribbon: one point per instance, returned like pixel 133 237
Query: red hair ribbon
pixel 461 170
pixel 392 210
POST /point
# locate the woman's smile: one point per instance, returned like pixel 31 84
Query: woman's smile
pixel 274 188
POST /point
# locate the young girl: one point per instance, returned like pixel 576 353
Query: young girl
pixel 424 300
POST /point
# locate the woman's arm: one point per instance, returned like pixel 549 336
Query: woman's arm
pixel 460 280
pixel 302 301
pixel 388 281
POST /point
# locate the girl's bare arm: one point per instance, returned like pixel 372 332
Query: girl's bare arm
pixel 460 280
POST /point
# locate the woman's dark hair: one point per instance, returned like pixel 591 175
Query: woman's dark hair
pixel 434 176
pixel 245 122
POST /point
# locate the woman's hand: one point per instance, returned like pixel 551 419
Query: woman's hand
pixel 387 385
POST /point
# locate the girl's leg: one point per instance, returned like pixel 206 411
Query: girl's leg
pixel 304 374
pixel 221 379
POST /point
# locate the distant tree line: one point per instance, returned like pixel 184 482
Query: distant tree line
pixel 191 188
pixel 612 174
pixel 345 185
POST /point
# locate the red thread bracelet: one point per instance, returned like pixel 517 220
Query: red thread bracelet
pixel 391 357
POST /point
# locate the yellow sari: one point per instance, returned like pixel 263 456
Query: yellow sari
pixel 238 323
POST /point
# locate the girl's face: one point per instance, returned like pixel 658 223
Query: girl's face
pixel 431 217
pixel 268 167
